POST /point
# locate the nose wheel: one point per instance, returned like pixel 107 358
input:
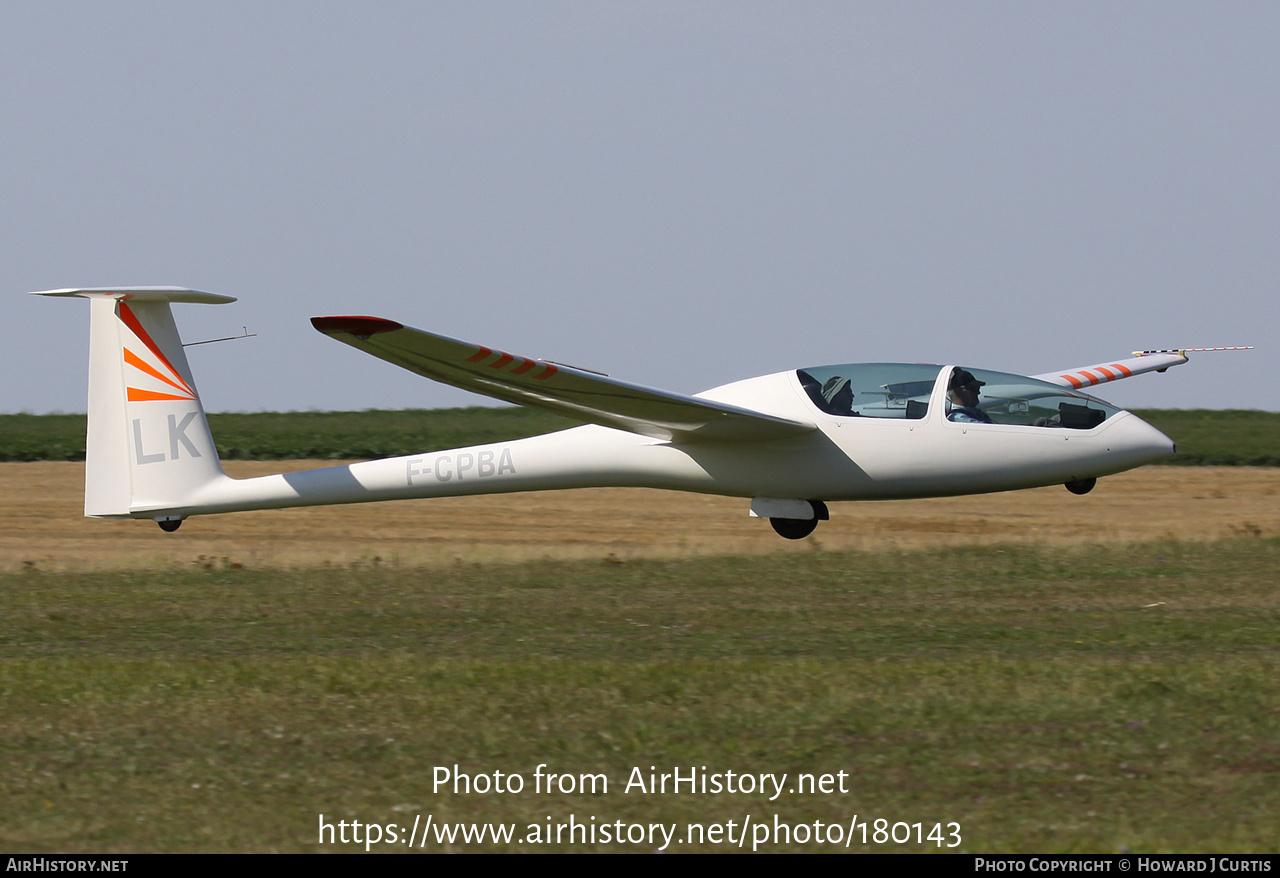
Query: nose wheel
pixel 1081 486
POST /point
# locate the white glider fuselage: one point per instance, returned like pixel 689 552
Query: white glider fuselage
pixel 850 458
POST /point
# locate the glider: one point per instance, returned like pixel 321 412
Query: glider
pixel 791 441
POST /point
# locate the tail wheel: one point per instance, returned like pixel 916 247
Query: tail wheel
pixel 799 528
pixel 1081 486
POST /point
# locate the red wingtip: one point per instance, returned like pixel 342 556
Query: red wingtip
pixel 361 327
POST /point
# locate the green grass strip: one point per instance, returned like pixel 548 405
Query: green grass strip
pixel 1219 438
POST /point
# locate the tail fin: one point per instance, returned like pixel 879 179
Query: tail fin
pixel 148 447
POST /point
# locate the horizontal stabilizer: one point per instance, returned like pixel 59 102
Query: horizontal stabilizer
pixel 143 294
pixel 573 392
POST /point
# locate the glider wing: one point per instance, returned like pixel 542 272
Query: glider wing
pixel 567 390
pixel 1114 370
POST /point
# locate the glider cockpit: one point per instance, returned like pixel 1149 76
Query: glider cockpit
pixel 906 390
pixel 871 390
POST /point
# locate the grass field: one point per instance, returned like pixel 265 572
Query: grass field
pixel 1215 438
pixel 1087 698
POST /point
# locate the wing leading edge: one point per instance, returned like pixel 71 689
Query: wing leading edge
pixel 576 393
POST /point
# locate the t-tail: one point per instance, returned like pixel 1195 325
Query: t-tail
pixel 148 444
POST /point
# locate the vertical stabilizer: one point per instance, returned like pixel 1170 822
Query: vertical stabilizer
pixel 148 445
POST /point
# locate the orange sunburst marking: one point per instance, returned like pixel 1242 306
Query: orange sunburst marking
pixel 137 362
pixel 138 395
pixel 131 320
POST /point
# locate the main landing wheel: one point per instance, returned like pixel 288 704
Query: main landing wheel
pixel 1081 486
pixel 794 528
pixel 169 525
pixel 799 528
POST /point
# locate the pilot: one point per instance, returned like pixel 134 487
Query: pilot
pixel 838 393
pixel 962 399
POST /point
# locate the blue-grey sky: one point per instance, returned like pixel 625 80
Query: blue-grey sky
pixel 677 193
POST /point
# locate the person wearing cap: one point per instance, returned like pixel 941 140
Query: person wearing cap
pixel 838 393
pixel 962 399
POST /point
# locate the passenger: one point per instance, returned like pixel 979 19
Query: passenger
pixel 838 393
pixel 962 399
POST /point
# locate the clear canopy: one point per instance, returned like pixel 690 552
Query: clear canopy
pixel 871 390
pixel 902 390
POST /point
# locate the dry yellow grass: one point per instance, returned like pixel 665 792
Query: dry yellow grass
pixel 42 523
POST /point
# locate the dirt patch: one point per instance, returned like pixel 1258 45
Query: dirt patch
pixel 42 525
